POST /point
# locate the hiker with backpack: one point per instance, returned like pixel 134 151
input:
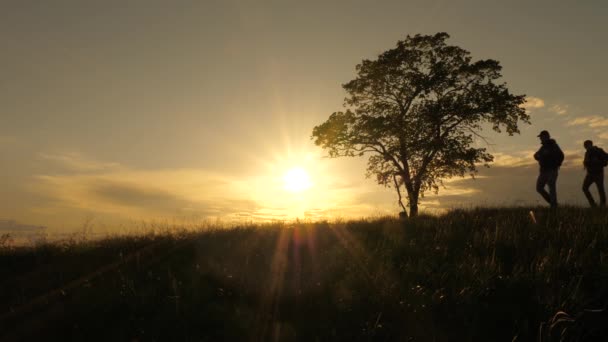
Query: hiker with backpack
pixel 550 158
pixel 595 162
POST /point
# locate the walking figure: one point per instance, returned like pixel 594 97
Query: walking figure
pixel 595 162
pixel 550 158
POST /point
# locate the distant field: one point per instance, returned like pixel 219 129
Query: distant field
pixel 474 275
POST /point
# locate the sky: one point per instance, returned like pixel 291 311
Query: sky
pixel 115 112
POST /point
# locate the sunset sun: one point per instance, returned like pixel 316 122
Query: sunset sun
pixel 296 180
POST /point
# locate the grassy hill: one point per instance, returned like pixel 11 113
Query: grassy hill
pixel 474 275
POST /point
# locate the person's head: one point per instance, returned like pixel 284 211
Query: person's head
pixel 544 136
pixel 588 144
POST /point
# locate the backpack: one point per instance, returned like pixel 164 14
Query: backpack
pixel 604 157
pixel 559 155
pixel 599 157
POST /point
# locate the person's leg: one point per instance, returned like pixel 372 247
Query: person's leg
pixel 541 181
pixel 586 184
pixel 599 182
pixel 552 183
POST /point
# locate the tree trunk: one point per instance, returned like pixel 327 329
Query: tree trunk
pixel 413 208
pixel 413 199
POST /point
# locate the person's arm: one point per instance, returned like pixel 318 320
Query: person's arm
pixel 537 154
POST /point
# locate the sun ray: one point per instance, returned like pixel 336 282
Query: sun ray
pixel 268 311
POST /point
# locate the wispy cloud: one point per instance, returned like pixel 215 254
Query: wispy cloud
pixel 146 194
pixel 559 109
pixel 573 159
pixel 533 103
pixel 509 181
pixel 109 190
pixel 74 161
pixel 522 158
pixel 592 121
pixel 14 226
pixel 501 185
pixel 77 185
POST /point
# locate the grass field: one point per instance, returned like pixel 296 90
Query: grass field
pixel 469 275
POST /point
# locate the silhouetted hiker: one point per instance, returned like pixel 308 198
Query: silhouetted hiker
pixel 595 162
pixel 550 158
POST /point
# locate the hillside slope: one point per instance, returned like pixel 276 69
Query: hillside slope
pixel 474 275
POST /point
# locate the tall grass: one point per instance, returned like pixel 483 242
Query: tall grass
pixel 469 275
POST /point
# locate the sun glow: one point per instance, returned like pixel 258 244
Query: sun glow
pixel 296 180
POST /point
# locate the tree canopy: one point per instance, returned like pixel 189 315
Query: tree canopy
pixel 417 111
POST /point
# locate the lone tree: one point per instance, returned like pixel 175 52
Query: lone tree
pixel 417 111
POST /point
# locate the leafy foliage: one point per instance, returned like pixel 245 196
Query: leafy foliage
pixel 418 111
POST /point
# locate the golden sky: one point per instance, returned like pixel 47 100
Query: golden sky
pixel 121 111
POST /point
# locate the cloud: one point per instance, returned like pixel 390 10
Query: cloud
pixel 533 103
pixel 507 186
pixel 140 194
pixel 14 226
pixel 74 161
pixel 573 159
pixel 133 195
pixel 559 109
pixel 522 158
pixel 115 192
pixel 593 121
pixel 511 180
pixel 73 186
